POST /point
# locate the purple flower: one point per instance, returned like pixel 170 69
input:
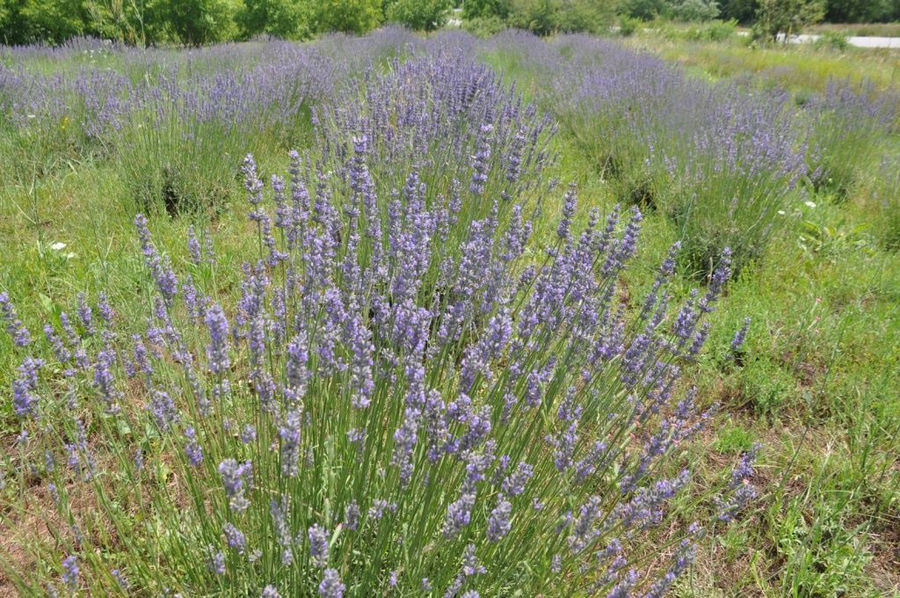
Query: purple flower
pixel 236 478
pixel 351 516
pixel 193 245
pixel 70 572
pixel 192 449
pixel 737 343
pixel 217 349
pixel 121 579
pixel 514 484
pixel 14 326
pixel 289 433
pixel 106 311
pixel 160 268
pixel 248 434
pixel 331 586
pixel 86 315
pixel 25 401
pixel 164 411
pixel 234 537
pixel 216 561
pixel 498 522
pixel 318 546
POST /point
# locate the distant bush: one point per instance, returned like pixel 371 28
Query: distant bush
pixel 421 15
pixel 694 10
pixel 484 26
pixel 832 40
pixel 629 25
pixel 742 11
pixel 545 17
pixel 486 9
pixel 862 11
pixel 775 18
pixel 351 16
pixel 286 19
pixel 645 10
pixel 714 31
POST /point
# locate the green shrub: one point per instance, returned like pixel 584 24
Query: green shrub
pixel 694 10
pixel 194 22
pixel 485 9
pixel 484 26
pixel 832 40
pixel 546 17
pixel 645 10
pixel 287 19
pixel 715 31
pixel 421 15
pixel 350 16
pixel 629 25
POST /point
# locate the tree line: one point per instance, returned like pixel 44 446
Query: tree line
pixel 197 22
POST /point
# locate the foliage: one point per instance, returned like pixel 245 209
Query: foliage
pixel 694 10
pixel 420 15
pixel 629 25
pixel 484 26
pixel 715 31
pixel 23 21
pixel 351 16
pixel 786 17
pixel 645 10
pixel 195 22
pixel 485 9
pixel 286 19
pixel 742 11
pixel 545 17
pixel 861 11
pixel 832 40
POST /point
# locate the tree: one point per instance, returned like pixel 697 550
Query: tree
pixel 862 11
pixel 485 9
pixel 645 10
pixel 774 17
pixel 351 16
pixel 287 19
pixel 695 10
pixel 194 22
pixel 742 11
pixel 421 15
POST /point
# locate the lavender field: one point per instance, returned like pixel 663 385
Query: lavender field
pixel 444 316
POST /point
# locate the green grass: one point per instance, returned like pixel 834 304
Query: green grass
pixel 818 385
pixel 796 68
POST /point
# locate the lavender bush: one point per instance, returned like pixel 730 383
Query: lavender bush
pixel 350 426
pixel 447 116
pixel 849 124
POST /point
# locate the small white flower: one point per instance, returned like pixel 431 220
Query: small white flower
pixel 809 204
pixel 30 116
pixel 781 212
pixel 58 246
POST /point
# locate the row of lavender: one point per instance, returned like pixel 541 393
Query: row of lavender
pixel 727 162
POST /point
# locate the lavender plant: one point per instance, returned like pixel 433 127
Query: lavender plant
pixel 350 426
pixel 848 125
pixel 448 117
